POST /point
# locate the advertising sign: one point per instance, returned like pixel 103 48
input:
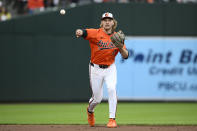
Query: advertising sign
pixel 158 68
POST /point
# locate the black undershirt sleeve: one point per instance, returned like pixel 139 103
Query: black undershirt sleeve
pixel 84 33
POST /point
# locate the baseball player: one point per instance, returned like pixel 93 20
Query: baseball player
pixel 105 44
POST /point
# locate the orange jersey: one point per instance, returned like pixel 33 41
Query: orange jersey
pixel 103 51
pixel 32 4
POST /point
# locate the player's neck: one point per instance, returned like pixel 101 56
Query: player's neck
pixel 109 31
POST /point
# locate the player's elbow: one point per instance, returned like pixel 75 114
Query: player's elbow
pixel 126 55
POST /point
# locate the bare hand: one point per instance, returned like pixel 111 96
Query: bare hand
pixel 79 33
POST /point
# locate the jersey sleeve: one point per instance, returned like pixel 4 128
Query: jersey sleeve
pixel 124 46
pixel 91 34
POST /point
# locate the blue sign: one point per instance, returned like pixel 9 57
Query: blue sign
pixel 158 68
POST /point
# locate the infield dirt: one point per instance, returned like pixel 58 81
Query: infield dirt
pixel 96 128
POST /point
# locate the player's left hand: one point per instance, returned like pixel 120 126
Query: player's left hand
pixel 118 39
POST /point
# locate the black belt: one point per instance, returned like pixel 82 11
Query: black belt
pixel 101 66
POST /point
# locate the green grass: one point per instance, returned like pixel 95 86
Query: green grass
pixel 75 113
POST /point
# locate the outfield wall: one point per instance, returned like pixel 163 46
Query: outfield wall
pixel 41 60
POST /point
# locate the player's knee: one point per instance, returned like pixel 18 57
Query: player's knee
pixel 111 90
pixel 98 100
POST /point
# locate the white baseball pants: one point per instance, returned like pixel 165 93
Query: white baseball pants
pixel 97 77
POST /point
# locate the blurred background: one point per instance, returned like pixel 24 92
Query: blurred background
pixel 15 8
pixel 42 61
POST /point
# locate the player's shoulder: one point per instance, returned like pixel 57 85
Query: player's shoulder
pixel 92 30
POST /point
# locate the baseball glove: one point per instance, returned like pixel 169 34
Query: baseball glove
pixel 118 39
